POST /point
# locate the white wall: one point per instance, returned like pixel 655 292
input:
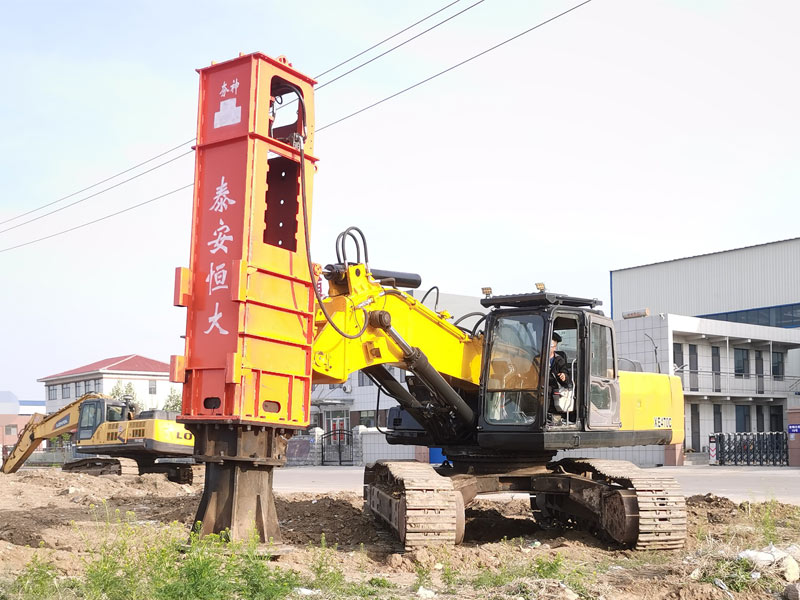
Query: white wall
pixel 375 447
pixel 141 386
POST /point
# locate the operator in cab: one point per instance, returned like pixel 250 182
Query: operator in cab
pixel 558 364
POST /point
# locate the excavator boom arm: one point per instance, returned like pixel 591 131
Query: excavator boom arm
pixel 41 427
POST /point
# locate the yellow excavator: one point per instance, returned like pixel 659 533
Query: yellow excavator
pixel 150 442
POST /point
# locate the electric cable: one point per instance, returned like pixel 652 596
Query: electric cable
pixel 383 41
pixel 331 124
pixel 193 138
pixel 455 66
pixel 111 187
pixel 435 304
pixel 468 315
pixel 393 48
pixel 47 237
pixel 342 238
pixel 87 188
pixel 306 231
pixel 378 412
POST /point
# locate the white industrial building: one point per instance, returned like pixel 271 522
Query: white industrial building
pixel 728 324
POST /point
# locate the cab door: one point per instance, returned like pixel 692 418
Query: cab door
pixel 603 410
pixel 91 416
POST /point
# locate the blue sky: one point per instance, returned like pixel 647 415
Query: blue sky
pixel 624 133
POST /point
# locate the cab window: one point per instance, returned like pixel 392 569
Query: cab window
pixel 114 413
pixel 512 387
pixel 89 415
pixel 604 405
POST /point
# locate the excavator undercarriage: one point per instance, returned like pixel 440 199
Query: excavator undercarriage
pixel 631 507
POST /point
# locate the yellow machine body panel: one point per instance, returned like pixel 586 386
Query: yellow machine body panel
pixel 161 435
pixel 651 401
pixel 457 354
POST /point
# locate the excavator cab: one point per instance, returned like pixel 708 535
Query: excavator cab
pixel 97 411
pixel 550 365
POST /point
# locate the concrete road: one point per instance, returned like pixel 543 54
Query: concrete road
pixel 756 484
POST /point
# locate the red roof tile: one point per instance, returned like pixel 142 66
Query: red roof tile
pixel 129 362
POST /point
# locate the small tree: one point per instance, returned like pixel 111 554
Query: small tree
pixel 117 391
pixel 131 393
pixel 173 401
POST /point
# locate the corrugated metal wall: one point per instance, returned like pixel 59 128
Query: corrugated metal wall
pixel 754 277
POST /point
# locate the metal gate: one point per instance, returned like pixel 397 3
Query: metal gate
pixel 765 448
pixel 337 447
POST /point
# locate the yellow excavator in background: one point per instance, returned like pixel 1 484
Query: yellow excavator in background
pixel 150 442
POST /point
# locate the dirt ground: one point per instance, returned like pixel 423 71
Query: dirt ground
pixel 64 512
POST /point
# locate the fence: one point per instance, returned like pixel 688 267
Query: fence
pixel 765 448
pixel 729 382
pixel 360 446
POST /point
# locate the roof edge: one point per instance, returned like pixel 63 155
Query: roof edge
pixel 661 262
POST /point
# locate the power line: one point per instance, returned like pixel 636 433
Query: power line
pixel 411 39
pixel 344 62
pixel 129 169
pixel 52 235
pixel 111 187
pixel 374 104
pixel 189 141
pixel 463 62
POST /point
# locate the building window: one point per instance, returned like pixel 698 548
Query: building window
pixel 759 418
pixel 717 418
pixel 78 389
pixel 774 316
pixel 98 386
pixel 677 355
pixel 52 392
pixel 716 375
pixel 152 387
pixel 693 374
pixel 315 421
pixel 776 418
pixel 741 363
pixel 11 430
pixel 90 386
pixel 367 418
pixel 363 380
pixel 66 390
pixel 777 366
pixel 742 419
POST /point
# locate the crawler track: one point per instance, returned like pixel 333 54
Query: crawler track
pixel 658 512
pixel 614 498
pixel 416 502
pixel 102 466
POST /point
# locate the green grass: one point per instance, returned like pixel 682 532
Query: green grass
pixel 539 568
pixel 736 574
pixel 139 562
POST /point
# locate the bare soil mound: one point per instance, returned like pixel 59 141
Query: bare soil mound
pixel 67 513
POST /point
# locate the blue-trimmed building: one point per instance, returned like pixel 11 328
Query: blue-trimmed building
pixel 727 323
